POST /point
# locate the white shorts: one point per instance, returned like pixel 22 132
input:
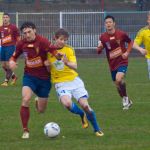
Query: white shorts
pixel 73 88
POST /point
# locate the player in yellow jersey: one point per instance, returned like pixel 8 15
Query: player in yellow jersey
pixel 68 84
pixel 143 37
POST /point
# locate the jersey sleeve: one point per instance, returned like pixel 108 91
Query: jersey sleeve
pixel 17 52
pixel 126 38
pixel 16 33
pixel 139 38
pixel 48 47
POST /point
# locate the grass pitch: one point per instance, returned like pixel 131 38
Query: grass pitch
pixel 124 130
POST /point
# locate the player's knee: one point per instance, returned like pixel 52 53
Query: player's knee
pixel 67 104
pixel 25 101
pixel 118 81
pixel 86 108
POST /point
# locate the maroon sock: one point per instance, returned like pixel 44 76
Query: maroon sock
pixel 5 69
pixel 25 114
pixel 122 87
pixel 119 91
pixel 8 74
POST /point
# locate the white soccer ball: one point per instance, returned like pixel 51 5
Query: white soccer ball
pixel 51 129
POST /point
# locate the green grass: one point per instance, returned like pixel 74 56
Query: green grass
pixel 124 130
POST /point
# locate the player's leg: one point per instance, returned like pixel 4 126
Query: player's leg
pixel 81 95
pixel 148 65
pixel 6 54
pixel 64 93
pixel 90 115
pixel 121 86
pixel 3 60
pixel 71 106
pixel 13 75
pixel 7 74
pixel 25 111
pixel 29 87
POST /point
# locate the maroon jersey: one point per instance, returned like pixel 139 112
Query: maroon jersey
pixel 115 46
pixel 35 53
pixel 9 35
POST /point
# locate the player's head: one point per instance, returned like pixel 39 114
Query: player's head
pixel 109 22
pixel 61 37
pixel 148 19
pixel 28 30
pixel 6 18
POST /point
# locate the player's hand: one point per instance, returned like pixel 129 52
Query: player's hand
pixel 143 51
pixel 65 60
pixel 12 65
pixel 46 63
pixel 99 47
pixel 59 55
pixel 125 55
pixel 98 50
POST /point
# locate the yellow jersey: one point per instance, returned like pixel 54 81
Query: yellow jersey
pixel 143 37
pixel 59 71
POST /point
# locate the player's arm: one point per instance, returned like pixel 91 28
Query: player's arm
pixel 100 46
pixel 140 49
pixel 17 34
pixel 47 65
pixel 69 59
pixel 138 41
pixel 129 47
pixel 16 54
pixel 70 64
pixel 53 50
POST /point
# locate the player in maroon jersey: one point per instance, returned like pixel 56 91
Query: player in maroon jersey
pixel 9 35
pixel 36 77
pixel 114 41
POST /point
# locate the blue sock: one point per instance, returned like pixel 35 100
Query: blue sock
pixel 92 118
pixel 76 110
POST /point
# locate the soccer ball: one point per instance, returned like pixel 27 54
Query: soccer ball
pixel 51 129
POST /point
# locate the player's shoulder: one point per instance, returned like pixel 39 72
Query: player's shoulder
pixel 103 35
pixel 119 31
pixel 13 26
pixel 143 29
pixel 21 42
pixel 41 38
pixel 68 48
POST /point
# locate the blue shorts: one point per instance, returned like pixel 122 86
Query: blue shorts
pixel 120 69
pixel 7 52
pixel 39 86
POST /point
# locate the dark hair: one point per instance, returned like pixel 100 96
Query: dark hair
pixel 61 32
pixel 6 14
pixel 110 17
pixel 27 25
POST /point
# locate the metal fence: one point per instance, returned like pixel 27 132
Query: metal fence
pixel 84 27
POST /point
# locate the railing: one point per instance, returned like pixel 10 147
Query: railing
pixel 84 27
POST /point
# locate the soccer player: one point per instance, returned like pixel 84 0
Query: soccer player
pixel 143 37
pixel 9 35
pixel 36 78
pixel 68 84
pixel 114 41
